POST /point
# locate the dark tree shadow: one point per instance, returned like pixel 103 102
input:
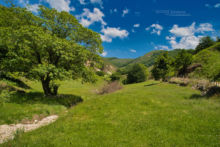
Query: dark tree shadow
pixel 18 82
pixel 39 97
pixel 151 84
pixel 197 96
pixel 211 92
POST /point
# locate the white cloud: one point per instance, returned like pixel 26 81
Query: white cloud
pixel 23 2
pixel 133 51
pixel 87 17
pixel 109 33
pixel 104 53
pixel 155 29
pixel 161 47
pixel 33 8
pixel 132 30
pixel 183 31
pixel 82 2
pixel 188 37
pixel 205 27
pixel 96 1
pixel 217 5
pixel 124 12
pixel 106 38
pixel 136 25
pixel 186 42
pixel 61 5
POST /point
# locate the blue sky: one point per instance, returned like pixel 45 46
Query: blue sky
pixel 130 29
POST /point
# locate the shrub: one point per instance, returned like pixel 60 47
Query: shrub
pixel 204 43
pixel 182 61
pixel 110 87
pixel 100 73
pixel 4 97
pixel 115 76
pixel 162 68
pixel 138 73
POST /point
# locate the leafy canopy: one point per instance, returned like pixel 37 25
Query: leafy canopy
pixel 48 47
pixel 204 43
pixel 138 73
pixel 182 61
pixel 162 68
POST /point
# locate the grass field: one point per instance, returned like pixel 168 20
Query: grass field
pixel 33 104
pixel 145 114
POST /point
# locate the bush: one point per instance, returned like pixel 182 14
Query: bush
pixel 204 43
pixel 182 61
pixel 162 68
pixel 100 73
pixel 115 77
pixel 138 73
pixel 4 97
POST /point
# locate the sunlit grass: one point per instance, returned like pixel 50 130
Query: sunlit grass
pixel 145 114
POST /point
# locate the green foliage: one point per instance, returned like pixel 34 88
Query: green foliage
pixel 204 43
pixel 162 68
pixel 117 62
pixel 182 61
pixel 4 97
pixel 138 73
pixel 115 76
pixel 49 47
pixel 209 59
pixel 150 58
pixel 100 73
pixel 217 39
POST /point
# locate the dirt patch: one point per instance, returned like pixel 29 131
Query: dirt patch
pixel 7 131
pixel 110 87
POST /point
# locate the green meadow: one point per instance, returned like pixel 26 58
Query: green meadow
pixel 61 87
pixel 151 113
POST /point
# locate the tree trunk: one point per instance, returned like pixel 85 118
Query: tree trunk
pixel 48 88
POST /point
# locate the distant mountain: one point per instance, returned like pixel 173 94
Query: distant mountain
pixel 148 59
pixel 117 62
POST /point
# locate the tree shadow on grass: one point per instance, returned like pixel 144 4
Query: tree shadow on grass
pixel 197 96
pixel 211 92
pixel 40 98
pixel 18 82
pixel 151 84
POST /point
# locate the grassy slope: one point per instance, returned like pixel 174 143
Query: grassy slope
pixel 26 106
pixel 210 60
pixel 149 58
pixel 17 110
pixel 117 62
pixel 139 115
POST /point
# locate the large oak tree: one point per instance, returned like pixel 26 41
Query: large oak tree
pixel 48 47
